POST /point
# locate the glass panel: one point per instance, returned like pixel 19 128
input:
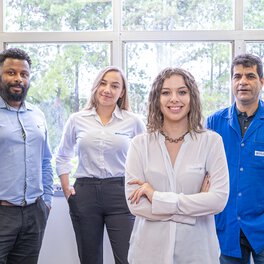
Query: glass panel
pixel 253 14
pixel 61 79
pixel 164 15
pixel 209 62
pixel 256 48
pixel 58 15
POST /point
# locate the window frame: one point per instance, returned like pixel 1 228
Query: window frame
pixel 117 37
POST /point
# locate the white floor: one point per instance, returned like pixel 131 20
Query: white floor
pixel 59 244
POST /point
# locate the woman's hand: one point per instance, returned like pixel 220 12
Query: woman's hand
pixel 144 189
pixel 68 192
pixel 206 183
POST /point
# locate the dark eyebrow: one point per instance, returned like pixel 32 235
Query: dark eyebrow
pixel 12 69
pixel 252 73
pixel 181 87
pixel 103 80
pixel 247 74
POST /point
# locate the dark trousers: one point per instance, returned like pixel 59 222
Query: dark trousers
pixel 21 232
pixel 247 251
pixel 98 203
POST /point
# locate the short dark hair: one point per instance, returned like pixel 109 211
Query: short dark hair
pixel 248 60
pixel 14 53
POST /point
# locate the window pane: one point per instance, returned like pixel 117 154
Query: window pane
pixel 256 48
pixel 164 15
pixel 61 79
pixel 58 15
pixel 253 14
pixel 209 62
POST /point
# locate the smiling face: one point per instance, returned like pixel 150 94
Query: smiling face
pixel 14 82
pixel 247 86
pixel 110 89
pixel 175 100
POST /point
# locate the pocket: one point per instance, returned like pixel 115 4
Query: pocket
pixel 197 168
pixel 194 174
pixel 70 198
pixel 45 208
pixel 257 155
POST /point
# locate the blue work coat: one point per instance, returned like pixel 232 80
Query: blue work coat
pixel 245 157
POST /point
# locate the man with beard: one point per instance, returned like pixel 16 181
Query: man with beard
pixel 26 176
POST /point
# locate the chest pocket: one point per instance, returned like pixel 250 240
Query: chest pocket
pixel 195 172
pixel 192 178
pixel 257 155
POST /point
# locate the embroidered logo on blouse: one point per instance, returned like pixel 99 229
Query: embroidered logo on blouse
pixel 259 153
pixel 122 134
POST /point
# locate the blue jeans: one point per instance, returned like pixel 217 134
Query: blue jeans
pixel 246 251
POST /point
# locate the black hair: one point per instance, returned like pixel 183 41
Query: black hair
pixel 14 53
pixel 248 60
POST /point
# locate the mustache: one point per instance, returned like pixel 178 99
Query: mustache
pixel 20 85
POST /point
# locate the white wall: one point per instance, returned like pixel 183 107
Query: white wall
pixel 59 244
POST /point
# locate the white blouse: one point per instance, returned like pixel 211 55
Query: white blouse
pixel 101 149
pixel 178 227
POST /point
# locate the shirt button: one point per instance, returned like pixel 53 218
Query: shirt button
pixel 238 218
pixel 242 144
pixel 241 169
pixel 239 194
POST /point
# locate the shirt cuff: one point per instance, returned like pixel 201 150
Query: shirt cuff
pixel 164 203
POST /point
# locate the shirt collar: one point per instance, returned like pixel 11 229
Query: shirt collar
pixel 92 112
pixel 239 113
pixel 117 113
pixel 24 107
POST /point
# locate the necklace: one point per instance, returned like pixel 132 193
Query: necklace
pixel 173 140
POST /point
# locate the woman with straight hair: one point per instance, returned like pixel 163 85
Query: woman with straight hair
pixel 176 178
pixel 100 134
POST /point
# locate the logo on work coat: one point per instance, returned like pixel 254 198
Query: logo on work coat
pixel 259 153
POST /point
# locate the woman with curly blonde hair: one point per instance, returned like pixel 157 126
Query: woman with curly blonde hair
pixel 176 178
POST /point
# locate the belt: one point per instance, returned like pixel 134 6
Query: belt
pixel 6 203
pixel 94 180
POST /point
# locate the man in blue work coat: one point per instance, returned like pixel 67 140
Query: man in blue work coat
pixel 240 227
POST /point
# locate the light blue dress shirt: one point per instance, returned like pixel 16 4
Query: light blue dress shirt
pixel 25 162
pixel 101 149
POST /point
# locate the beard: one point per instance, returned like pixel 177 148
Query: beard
pixel 9 96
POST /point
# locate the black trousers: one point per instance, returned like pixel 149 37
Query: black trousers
pixel 98 203
pixel 21 232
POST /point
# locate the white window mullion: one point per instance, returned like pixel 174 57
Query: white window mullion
pixel 1 24
pixel 117 51
pixel 239 14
